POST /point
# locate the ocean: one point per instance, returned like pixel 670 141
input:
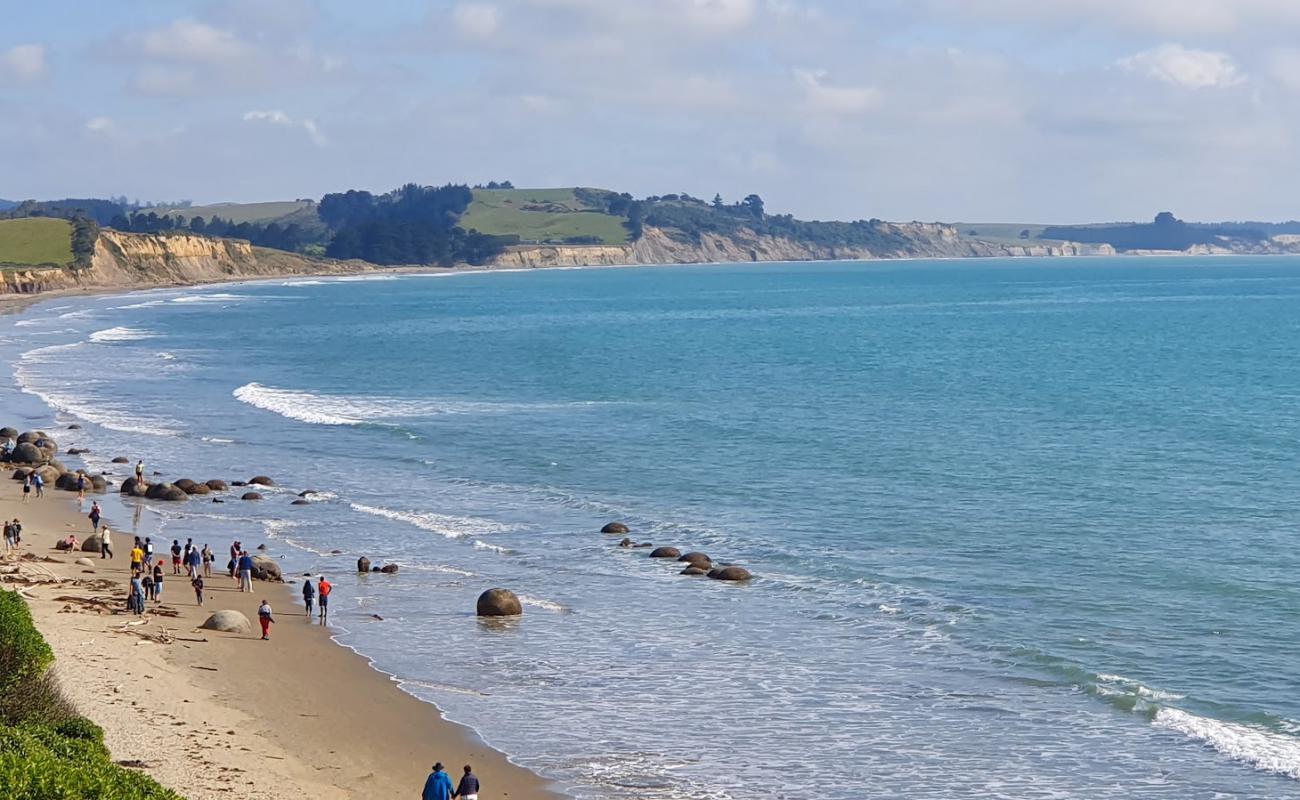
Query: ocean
pixel 1019 529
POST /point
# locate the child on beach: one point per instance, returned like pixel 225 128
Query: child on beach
pixel 308 595
pixel 158 581
pixel 197 583
pixel 264 617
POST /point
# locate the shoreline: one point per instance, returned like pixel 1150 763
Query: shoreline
pixel 214 713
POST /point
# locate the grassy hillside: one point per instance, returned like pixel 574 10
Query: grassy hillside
pixel 540 215
pixel 240 212
pixel 1008 232
pixel 35 240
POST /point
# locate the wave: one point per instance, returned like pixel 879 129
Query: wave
pixel 303 283
pixel 451 527
pixel 165 356
pixel 302 406
pixel 23 323
pixel 209 298
pixel 479 544
pixel 145 304
pixel 364 278
pixel 1262 749
pixel 83 313
pixel 121 334
pixel 548 605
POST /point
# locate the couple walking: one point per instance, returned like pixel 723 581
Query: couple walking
pixel 438 785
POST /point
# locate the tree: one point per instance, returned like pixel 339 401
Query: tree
pixel 754 205
pixel 717 201
pixel 197 225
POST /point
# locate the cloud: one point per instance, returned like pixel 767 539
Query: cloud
pixel 188 41
pixel 1180 66
pixel 476 20
pixel 820 98
pixel 277 117
pixel 99 124
pixel 25 62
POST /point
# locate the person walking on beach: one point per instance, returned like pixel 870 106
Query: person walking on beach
pixel 39 483
pixel 264 617
pixel 148 584
pixel 158 581
pixel 197 583
pixel 81 488
pixel 137 556
pixel 323 590
pixel 148 549
pixel 308 596
pixel 437 786
pixel 105 543
pixel 27 486
pixel 96 513
pixel 18 532
pixel 207 561
pixel 245 572
pixel 468 788
pixel 176 556
pixel 10 544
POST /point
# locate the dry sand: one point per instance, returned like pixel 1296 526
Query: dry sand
pixel 216 715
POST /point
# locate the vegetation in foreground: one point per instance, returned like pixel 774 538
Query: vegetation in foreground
pixel 47 751
pixel 36 241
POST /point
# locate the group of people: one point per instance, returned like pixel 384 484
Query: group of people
pixel 318 595
pixel 13 535
pixel 438 785
pixel 33 482
pixel 147 576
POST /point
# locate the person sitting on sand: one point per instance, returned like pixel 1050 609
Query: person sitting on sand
pixel 105 543
pixel 437 786
pixel 158 581
pixel 323 589
pixel 468 788
pixel 68 543
pixel 264 617
pixel 308 596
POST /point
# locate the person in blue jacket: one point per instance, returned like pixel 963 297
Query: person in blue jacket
pixel 438 785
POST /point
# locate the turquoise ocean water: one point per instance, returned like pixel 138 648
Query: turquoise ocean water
pixel 1020 529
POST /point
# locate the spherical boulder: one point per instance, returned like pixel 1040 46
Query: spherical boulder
pixel 165 491
pixel 694 570
pixel 217 485
pixel 49 473
pixel 732 573
pixel 73 427
pixel 76 451
pixel 134 488
pixel 84 562
pixel 363 564
pixel 695 558
pixel 250 496
pixel 185 485
pixel 98 483
pixel 20 474
pixel 389 569
pixel 29 437
pixel 239 483
pixel 227 621
pixel 300 502
pixel 27 453
pixel 199 489
pixel 665 552
pixel 48 445
pixel 8 433
pixel 67 482
pixel 266 568
pixel 614 527
pixel 499 603
pixel 92 543
pixel 121 460
pixel 261 480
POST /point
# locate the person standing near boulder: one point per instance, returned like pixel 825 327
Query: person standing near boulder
pixel 96 513
pixel 105 543
pixel 176 556
pixel 27 487
pixel 308 596
pixel 323 590
pixel 158 581
pixel 468 788
pixel 264 617
pixel 39 483
pixel 81 488
pixel 245 572
pixel 437 786
pixel 139 472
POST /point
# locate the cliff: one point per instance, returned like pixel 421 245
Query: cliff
pixel 137 260
pixel 899 240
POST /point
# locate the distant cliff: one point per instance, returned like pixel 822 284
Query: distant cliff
pixel 897 240
pixel 135 260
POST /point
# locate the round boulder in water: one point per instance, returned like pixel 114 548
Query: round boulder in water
pixel 694 570
pixel 389 569
pixel 227 621
pixel 217 485
pixel 27 453
pixel 732 573
pixel 265 568
pixel 696 558
pixel 67 482
pixel 363 564
pixel 499 603
pixel 250 496
pixel 261 480
pixel 165 491
pixel 132 487
pixel 121 460
pixel 98 484
pixel 185 485
pixel 614 527
pixel 665 552
pixel 300 502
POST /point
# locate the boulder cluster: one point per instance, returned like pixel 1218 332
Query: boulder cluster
pixel 693 563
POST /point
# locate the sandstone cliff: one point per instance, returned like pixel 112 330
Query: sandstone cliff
pixel 899 240
pixel 137 260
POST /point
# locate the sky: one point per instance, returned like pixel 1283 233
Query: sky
pixel 955 110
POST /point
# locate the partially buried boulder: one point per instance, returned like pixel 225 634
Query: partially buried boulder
pixel 73 427
pixel 265 568
pixel 20 474
pixel 133 488
pixel 696 558
pixel 694 570
pixel 27 453
pixel 92 543
pixel 363 564
pixel 185 485
pixel 389 569
pixel 85 562
pixel 227 621
pixel 49 473
pixel 165 491
pixel 99 483
pixel 261 480
pixel 499 603
pixel 614 527
pixel 732 573
pixel 121 460
pixel 199 489
pixel 29 437
pixel 250 496
pixel 67 482
pixel 665 552
pixel 217 485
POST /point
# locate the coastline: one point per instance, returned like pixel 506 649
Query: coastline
pixel 216 715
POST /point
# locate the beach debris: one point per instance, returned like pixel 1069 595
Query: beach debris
pixel 250 496
pixel 499 603
pixel 261 480
pixel 731 573
pixel 665 552
pixel 227 621
pixel 614 527
pixel 363 564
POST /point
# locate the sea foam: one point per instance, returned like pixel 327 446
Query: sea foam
pixel 452 527
pixel 1262 749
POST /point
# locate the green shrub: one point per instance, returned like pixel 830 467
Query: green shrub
pixel 31 770
pixel 24 654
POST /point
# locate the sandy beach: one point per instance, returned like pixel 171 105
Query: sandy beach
pixel 216 715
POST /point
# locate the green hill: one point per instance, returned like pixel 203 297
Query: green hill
pixel 543 215
pixel 33 241
pixel 240 212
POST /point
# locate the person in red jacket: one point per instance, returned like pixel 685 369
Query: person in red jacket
pixel 323 590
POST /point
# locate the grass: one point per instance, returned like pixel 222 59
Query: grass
pixel 238 212
pixel 1004 232
pixel 540 215
pixel 36 241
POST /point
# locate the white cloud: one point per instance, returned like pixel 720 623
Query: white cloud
pixel 26 62
pixel 277 117
pixel 476 20
pixel 1181 66
pixel 99 124
pixel 717 15
pixel 835 100
pixel 186 40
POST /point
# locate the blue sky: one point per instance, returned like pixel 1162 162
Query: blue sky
pixel 1024 110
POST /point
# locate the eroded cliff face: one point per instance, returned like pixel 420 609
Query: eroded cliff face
pixel 899 240
pixel 136 260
